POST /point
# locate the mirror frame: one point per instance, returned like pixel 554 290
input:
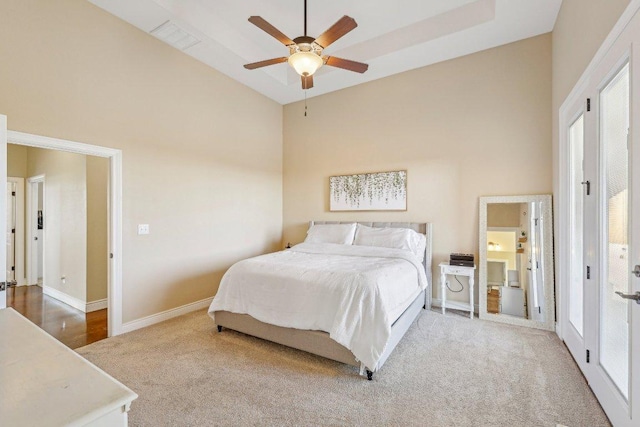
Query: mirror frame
pixel 549 291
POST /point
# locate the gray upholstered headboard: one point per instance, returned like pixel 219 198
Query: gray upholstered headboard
pixel 421 227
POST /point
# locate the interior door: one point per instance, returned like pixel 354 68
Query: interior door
pixel 579 191
pixel 11 232
pixel 3 209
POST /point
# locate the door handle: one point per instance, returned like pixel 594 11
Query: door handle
pixel 636 270
pixel 635 297
pixel 588 184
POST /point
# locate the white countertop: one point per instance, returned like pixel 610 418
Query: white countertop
pixel 44 383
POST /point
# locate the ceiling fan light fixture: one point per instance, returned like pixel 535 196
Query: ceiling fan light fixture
pixel 305 63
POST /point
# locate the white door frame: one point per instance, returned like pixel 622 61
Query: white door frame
pixel 114 294
pixel 20 273
pixel 32 219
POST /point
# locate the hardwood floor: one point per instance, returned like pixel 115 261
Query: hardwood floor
pixel 68 325
pixel 493 301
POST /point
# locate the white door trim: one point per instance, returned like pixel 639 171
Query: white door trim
pixel 114 295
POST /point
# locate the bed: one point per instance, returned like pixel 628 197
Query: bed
pixel 345 297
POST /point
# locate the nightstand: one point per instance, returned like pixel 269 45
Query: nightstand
pixel 456 270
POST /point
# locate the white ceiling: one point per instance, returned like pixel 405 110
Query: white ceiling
pixel 392 36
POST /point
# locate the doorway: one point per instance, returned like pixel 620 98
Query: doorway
pixel 114 206
pixel 66 240
pixel 35 229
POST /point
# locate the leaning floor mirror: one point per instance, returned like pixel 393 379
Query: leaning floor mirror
pixel 516 261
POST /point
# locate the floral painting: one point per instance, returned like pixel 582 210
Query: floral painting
pixel 368 191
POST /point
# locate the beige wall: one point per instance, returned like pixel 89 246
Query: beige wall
pixel 202 154
pixel 580 29
pixel 503 214
pixel 65 219
pixel 16 161
pixel 97 231
pixel 452 126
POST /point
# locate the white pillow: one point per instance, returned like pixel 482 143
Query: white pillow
pixel 396 238
pixel 420 241
pixel 331 233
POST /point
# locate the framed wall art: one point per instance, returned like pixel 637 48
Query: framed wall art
pixel 369 192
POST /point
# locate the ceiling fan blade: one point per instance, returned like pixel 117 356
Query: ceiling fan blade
pixel 337 30
pixel 307 82
pixel 347 64
pixel 264 63
pixel 271 30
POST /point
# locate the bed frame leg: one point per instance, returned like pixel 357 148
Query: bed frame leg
pixel 219 328
pixel 363 369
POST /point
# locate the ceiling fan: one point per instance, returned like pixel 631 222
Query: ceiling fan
pixel 305 53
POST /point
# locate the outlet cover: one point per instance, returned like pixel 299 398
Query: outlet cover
pixel 143 228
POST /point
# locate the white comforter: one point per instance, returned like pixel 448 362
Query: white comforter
pixel 354 293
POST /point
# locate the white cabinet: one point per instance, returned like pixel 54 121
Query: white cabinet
pixel 44 383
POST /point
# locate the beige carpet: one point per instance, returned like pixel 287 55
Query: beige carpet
pixel 448 371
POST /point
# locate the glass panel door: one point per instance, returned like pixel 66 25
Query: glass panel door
pixel 576 285
pixel 614 326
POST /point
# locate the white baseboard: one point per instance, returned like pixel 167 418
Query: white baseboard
pixel 165 315
pixel 96 305
pixel 437 302
pixel 65 298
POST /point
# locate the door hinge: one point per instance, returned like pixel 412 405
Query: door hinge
pixel 13 268
pixel 588 272
pixel 13 193
pixel 13 230
pixel 588 356
pixel 588 104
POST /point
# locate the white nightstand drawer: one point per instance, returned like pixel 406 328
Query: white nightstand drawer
pixel 453 269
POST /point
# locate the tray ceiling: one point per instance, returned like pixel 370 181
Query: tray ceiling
pixel 392 36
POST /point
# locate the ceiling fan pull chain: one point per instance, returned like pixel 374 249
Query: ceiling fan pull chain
pixel 305 102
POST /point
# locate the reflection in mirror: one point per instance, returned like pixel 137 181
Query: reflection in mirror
pixel 516 260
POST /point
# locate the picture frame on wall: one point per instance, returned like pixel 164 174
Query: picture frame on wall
pixel 378 191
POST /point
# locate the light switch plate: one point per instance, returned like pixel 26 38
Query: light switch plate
pixel 143 228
